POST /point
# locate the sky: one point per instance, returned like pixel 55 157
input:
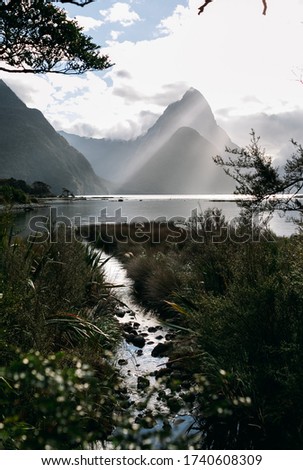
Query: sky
pixel 248 67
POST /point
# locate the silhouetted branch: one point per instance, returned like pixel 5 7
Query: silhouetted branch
pixel 265 7
pixel 201 8
pixel 80 3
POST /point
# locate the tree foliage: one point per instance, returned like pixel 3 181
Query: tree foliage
pixel 37 37
pixel 256 176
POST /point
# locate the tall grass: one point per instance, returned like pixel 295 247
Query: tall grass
pixel 241 309
pixel 55 308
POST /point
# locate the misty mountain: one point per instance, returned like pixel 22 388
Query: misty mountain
pixel 31 150
pixel 180 145
pixel 171 172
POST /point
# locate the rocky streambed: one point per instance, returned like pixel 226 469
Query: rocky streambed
pixel 142 362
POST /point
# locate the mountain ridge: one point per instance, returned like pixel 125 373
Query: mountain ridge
pixel 125 162
pixel 31 150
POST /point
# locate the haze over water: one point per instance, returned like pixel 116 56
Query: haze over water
pixel 134 208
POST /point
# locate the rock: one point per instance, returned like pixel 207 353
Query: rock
pixel 128 327
pixel 120 313
pixel 143 383
pixel 122 362
pixel 136 325
pixel 150 342
pixel 159 337
pixel 139 352
pixel 152 329
pixel 130 337
pixel 138 341
pixel 162 349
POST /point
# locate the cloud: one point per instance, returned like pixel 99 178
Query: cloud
pixel 275 131
pixel 120 13
pixel 88 23
pixel 243 75
pixel 168 25
pixel 116 34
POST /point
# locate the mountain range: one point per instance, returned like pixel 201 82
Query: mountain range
pixel 31 150
pixel 173 157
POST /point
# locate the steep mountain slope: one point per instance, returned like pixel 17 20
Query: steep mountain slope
pixel 107 157
pixel 179 167
pixel 30 149
pixel 180 145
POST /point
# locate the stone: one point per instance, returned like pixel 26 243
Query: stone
pixel 138 341
pixel 120 313
pixel 122 362
pixel 162 349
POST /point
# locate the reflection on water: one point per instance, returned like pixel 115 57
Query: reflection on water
pixel 134 363
pixel 134 208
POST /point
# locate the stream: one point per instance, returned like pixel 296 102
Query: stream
pixel 138 361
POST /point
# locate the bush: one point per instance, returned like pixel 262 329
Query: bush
pixel 47 404
pixel 55 307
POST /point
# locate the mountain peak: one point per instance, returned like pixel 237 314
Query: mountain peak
pixel 8 98
pixel 192 92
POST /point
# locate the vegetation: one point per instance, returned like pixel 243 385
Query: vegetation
pixel 18 191
pixel 239 307
pixel 257 177
pixel 57 338
pixel 38 37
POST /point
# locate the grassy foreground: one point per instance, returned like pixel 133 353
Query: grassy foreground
pixel 58 389
pixel 238 299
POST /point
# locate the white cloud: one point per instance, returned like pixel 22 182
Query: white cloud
pixel 120 13
pixel 88 23
pixel 115 35
pixel 235 56
pixel 168 25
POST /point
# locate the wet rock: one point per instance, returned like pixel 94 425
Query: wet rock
pixel 142 383
pixel 152 329
pixel 162 349
pixel 120 313
pixel 130 338
pixel 128 327
pixel 138 341
pixel 122 362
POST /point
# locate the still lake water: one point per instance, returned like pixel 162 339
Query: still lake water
pixel 130 208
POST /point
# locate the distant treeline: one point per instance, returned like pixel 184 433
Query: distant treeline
pixel 18 191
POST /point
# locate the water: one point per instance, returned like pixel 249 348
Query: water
pixel 141 208
pixel 134 362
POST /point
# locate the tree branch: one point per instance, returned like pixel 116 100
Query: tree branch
pixel 265 7
pixel 201 8
pixel 80 3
